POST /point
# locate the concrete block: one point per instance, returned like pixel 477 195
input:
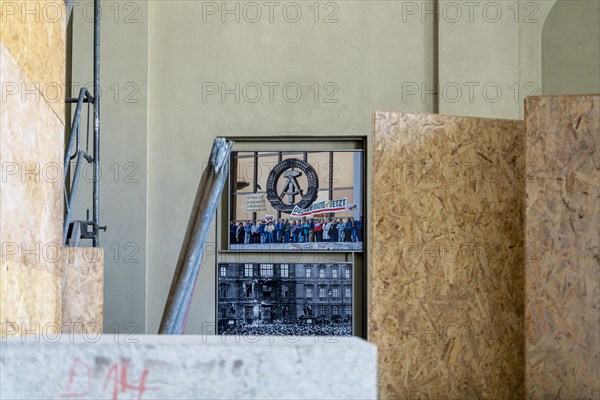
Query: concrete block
pixel 187 367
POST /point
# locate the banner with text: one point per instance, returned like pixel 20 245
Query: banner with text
pixel 256 202
pixel 325 206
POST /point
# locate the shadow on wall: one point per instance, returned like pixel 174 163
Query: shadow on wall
pixel 571 48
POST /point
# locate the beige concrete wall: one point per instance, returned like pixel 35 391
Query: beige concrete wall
pixel 490 56
pixel 479 58
pixel 531 24
pixel 562 291
pixel 491 53
pixel 32 38
pixel 571 48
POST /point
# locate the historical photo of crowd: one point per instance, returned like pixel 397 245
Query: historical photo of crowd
pixel 285 299
pixel 296 200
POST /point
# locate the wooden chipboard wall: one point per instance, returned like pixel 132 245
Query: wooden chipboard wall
pixel 446 278
pixel 562 299
pixel 83 290
pixel 32 71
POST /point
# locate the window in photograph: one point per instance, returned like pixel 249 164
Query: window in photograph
pixel 308 291
pixel 266 292
pixel 307 272
pixel 347 292
pixel 335 292
pixel 322 292
pixel 322 311
pixel 284 270
pixel 248 270
pixel 266 313
pixel 223 271
pixel 266 270
pixel 321 272
pixel 347 273
pixel 334 272
pixel 285 291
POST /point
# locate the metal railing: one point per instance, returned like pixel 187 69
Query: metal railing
pixel 78 229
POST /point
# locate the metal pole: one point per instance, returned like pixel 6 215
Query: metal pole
pixel 72 195
pixel 192 249
pixel 73 133
pixel 96 193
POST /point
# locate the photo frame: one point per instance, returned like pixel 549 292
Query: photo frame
pixel 296 201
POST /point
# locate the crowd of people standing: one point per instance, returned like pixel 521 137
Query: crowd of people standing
pixel 297 231
pixel 289 330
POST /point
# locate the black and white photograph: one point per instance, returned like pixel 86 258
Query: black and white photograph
pixel 296 200
pixel 285 299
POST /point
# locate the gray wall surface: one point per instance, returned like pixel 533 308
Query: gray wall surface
pixel 571 48
pixel 123 183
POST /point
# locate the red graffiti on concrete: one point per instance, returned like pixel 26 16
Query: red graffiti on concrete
pixel 76 388
pixel 115 383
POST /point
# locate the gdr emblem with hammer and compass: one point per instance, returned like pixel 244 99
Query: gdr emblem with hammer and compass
pixel 292 169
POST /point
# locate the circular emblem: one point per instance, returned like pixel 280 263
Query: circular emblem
pixel 292 169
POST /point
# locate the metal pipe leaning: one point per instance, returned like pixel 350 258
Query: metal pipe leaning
pixel 190 257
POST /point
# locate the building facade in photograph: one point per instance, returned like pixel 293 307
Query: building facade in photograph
pixel 283 296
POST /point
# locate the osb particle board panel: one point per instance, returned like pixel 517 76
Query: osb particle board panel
pixel 34 32
pixel 562 292
pixel 29 301
pixel 31 191
pixel 446 278
pixel 31 207
pixel 83 289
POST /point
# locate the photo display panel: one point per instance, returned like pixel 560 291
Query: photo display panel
pixel 296 201
pixel 291 299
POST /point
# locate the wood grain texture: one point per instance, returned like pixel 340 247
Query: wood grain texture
pixel 31 206
pixel 34 32
pixel 446 278
pixel 563 247
pixel 31 193
pixel 29 301
pixel 83 289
